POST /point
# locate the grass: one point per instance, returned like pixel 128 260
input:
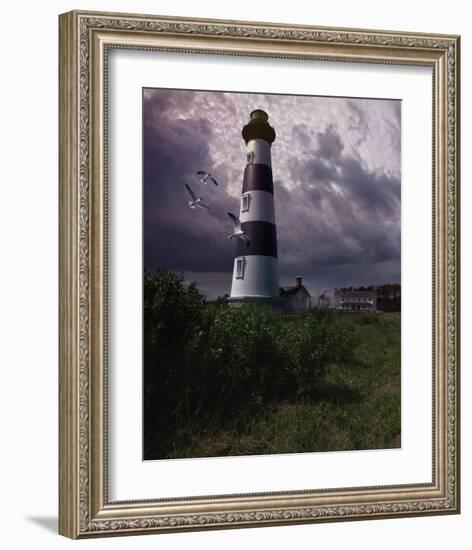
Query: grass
pixel 357 407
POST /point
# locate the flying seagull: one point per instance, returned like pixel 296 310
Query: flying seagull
pixel 238 232
pixel 206 177
pixel 196 202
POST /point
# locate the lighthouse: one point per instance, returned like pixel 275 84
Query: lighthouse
pixel 255 269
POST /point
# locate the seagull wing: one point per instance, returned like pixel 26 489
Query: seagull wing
pixel 213 180
pixel 190 192
pixel 237 223
pixel 201 205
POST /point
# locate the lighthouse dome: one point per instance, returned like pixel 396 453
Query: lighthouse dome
pixel 259 114
pixel 258 127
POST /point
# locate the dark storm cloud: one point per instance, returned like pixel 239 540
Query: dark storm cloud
pixel 336 181
pixel 341 213
pixel 175 236
pixel 329 144
pixel 317 169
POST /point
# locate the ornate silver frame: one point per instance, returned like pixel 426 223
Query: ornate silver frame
pixel 85 38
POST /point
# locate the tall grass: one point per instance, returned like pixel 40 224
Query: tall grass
pixel 225 381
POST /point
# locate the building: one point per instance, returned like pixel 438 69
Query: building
pixel 295 298
pixel 349 299
pixel 255 269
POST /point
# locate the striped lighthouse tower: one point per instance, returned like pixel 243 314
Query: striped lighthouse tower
pixel 255 271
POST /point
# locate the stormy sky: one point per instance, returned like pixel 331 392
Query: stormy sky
pixel 336 170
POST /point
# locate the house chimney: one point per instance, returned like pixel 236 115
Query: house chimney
pixel 298 281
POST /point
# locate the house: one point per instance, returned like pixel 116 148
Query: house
pixel 349 299
pixel 295 298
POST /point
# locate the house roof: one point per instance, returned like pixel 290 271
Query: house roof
pixel 292 290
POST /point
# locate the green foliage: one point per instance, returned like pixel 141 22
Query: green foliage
pixel 172 313
pixel 214 369
pixel 368 319
pixel 356 407
pixel 314 343
pixel 244 349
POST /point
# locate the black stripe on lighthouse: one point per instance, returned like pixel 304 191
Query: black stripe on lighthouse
pixel 258 177
pixel 262 239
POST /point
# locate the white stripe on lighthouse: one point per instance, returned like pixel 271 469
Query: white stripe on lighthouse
pixel 260 277
pixel 258 206
pixel 258 151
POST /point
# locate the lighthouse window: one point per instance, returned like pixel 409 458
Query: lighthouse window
pixel 250 157
pixel 246 199
pixel 240 265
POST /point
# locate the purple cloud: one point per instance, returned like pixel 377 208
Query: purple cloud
pixel 336 184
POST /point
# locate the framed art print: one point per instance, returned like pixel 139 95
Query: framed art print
pixel 259 274
pixel 238 371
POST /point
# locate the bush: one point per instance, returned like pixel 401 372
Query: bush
pixel 172 314
pixel 246 354
pixel 315 342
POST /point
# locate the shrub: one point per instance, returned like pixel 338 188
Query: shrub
pixel 315 342
pixel 246 354
pixel 172 313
